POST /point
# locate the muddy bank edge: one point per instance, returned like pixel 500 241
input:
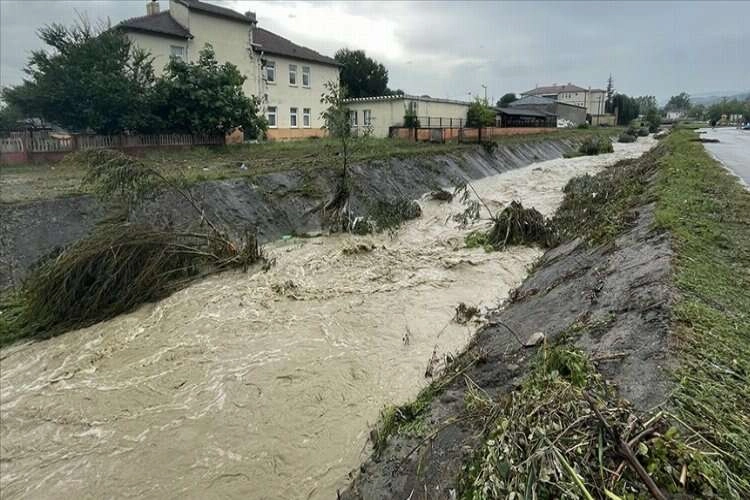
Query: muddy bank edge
pixel 661 308
pixel 277 204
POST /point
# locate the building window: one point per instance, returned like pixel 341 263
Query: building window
pixel 366 117
pixel 270 71
pixel 293 117
pixel 177 52
pixel 306 117
pixel 353 118
pixel 306 76
pixel 271 116
pixel 292 74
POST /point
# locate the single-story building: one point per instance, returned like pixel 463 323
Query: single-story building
pixel 376 115
pixel 518 117
pixel 566 113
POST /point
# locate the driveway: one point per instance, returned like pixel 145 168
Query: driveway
pixel 733 150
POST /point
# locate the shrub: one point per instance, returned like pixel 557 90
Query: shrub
pixel 626 138
pixel 584 125
pixel 643 132
pixel 596 145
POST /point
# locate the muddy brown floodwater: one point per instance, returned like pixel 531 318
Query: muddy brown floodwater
pixel 260 385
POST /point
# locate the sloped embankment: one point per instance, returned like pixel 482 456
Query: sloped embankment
pixel 657 302
pixel 606 292
pixel 278 203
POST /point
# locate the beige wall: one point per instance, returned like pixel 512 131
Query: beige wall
pixel 230 40
pixel 389 113
pixel 284 96
pixel 159 47
pixel 592 101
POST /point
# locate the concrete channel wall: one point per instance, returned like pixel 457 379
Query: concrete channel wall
pixel 276 204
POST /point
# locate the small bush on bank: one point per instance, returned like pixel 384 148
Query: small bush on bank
pixel 643 132
pixel 626 138
pixel 584 126
pixel 596 145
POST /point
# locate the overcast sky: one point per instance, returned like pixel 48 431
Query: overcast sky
pixel 448 49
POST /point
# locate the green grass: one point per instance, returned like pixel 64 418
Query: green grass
pixel 22 183
pixel 544 431
pixel 708 214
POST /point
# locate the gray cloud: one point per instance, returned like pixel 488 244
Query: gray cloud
pixel 451 48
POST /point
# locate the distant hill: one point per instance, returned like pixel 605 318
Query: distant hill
pixel 709 98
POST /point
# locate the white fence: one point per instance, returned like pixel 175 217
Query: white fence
pixel 83 142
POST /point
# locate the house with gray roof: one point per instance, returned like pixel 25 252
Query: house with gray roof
pixel 287 78
pixel 565 113
pixel 590 99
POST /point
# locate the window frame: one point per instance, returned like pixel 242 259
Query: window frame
pixel 366 117
pixel 306 115
pixel 293 72
pixel 293 117
pixel 353 118
pixel 275 114
pixel 306 72
pixel 172 48
pixel 272 66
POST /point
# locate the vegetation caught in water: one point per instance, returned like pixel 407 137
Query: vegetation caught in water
pixel 121 264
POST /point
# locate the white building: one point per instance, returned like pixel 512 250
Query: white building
pixel 591 99
pixel 288 78
pixel 376 115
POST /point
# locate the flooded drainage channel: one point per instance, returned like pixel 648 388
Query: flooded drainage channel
pixel 260 385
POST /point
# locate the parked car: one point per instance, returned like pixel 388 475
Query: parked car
pixel 746 126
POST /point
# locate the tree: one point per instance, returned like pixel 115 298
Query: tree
pixel 9 117
pixel 506 99
pixel 362 76
pixel 697 111
pixel 610 95
pixel 626 107
pixel 680 102
pixel 480 114
pixel 646 103
pixel 206 97
pixel 88 79
pixel 653 118
pixel 338 124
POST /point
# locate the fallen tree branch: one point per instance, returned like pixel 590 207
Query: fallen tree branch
pixel 626 452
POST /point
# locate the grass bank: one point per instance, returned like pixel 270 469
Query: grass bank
pixel 707 213
pixel 547 439
pixel 21 183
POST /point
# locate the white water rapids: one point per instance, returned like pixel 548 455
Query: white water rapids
pixel 260 385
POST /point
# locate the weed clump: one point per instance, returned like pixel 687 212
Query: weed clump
pixel 465 313
pixel 626 137
pixel 559 436
pixel 595 145
pixel 121 264
pixel 115 269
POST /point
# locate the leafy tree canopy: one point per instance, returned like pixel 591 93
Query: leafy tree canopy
pixel 506 99
pixel 89 78
pixel 480 114
pixel 362 76
pixel 205 97
pixel 679 102
pixel 646 103
pixel 627 108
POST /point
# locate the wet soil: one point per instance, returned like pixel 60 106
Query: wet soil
pixel 619 291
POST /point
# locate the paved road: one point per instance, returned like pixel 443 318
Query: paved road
pixel 733 150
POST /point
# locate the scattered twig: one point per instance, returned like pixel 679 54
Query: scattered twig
pixel 625 450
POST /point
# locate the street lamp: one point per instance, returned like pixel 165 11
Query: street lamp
pixel 485 93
